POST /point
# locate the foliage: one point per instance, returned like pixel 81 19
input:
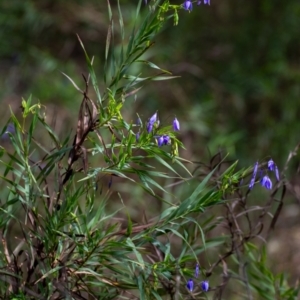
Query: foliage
pixel 60 239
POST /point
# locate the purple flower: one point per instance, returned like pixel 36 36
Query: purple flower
pixel 252 181
pixel 176 125
pixel 271 165
pixel 204 286
pixel 204 2
pixel 197 268
pixel 153 119
pixel 276 173
pixel 188 5
pixel 266 182
pixel 167 140
pixel 149 127
pixel 163 140
pixel 190 285
pixel 151 122
pixel 160 141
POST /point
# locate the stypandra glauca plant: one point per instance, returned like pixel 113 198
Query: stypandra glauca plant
pixel 61 240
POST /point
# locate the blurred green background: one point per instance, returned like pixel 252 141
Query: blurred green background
pixel 239 85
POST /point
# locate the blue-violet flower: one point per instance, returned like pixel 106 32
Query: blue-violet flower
pixel 167 140
pixel 276 173
pixel 266 182
pixel 271 165
pixel 160 141
pixel 190 285
pixel 252 181
pixel 188 5
pixel 176 125
pixel 205 286
pixel 149 127
pixel 197 268
pixel 204 1
pixel 153 119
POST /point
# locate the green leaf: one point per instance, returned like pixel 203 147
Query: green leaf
pixel 201 186
pixel 136 252
pixel 92 73
pixel 154 66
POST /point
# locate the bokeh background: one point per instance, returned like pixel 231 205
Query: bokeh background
pixel 238 90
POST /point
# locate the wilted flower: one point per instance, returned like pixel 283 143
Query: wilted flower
pixel 176 125
pixel 252 181
pixel 266 182
pixel 271 165
pixel 188 5
pixel 197 268
pixel 204 286
pixel 190 285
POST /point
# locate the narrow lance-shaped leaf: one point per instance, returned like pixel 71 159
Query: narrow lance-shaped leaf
pixel 92 72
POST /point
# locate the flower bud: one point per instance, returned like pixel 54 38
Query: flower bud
pixel 197 268
pixel 176 125
pixel 160 141
pixel 167 140
pixel 153 119
pixel 252 181
pixel 188 5
pixel 204 286
pixel 190 285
